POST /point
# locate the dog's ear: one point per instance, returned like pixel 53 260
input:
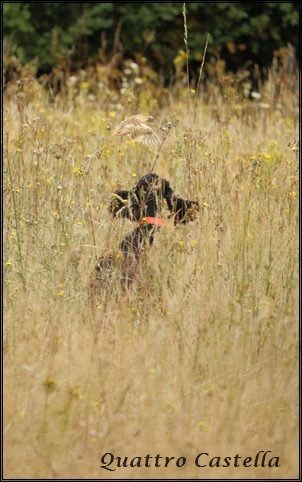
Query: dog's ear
pixel 185 211
pixel 119 205
pixel 168 194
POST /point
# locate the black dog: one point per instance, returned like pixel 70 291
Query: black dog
pixel 143 204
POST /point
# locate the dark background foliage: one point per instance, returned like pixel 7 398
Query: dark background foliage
pixel 83 33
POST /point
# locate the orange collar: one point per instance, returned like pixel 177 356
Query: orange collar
pixel 154 221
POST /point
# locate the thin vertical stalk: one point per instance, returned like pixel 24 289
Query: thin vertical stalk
pixel 186 45
pixel 15 216
pixel 90 212
pixel 200 72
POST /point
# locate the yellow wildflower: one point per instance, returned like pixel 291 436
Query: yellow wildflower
pixel 292 194
pixel 77 170
pixel 267 157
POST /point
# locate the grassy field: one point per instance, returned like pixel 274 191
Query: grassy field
pixel 201 354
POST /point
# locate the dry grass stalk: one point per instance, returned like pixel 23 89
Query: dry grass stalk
pixel 200 73
pixel 186 46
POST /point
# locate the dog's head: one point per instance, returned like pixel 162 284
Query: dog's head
pixel 145 199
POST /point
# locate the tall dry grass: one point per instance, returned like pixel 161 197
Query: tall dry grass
pixel 201 353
